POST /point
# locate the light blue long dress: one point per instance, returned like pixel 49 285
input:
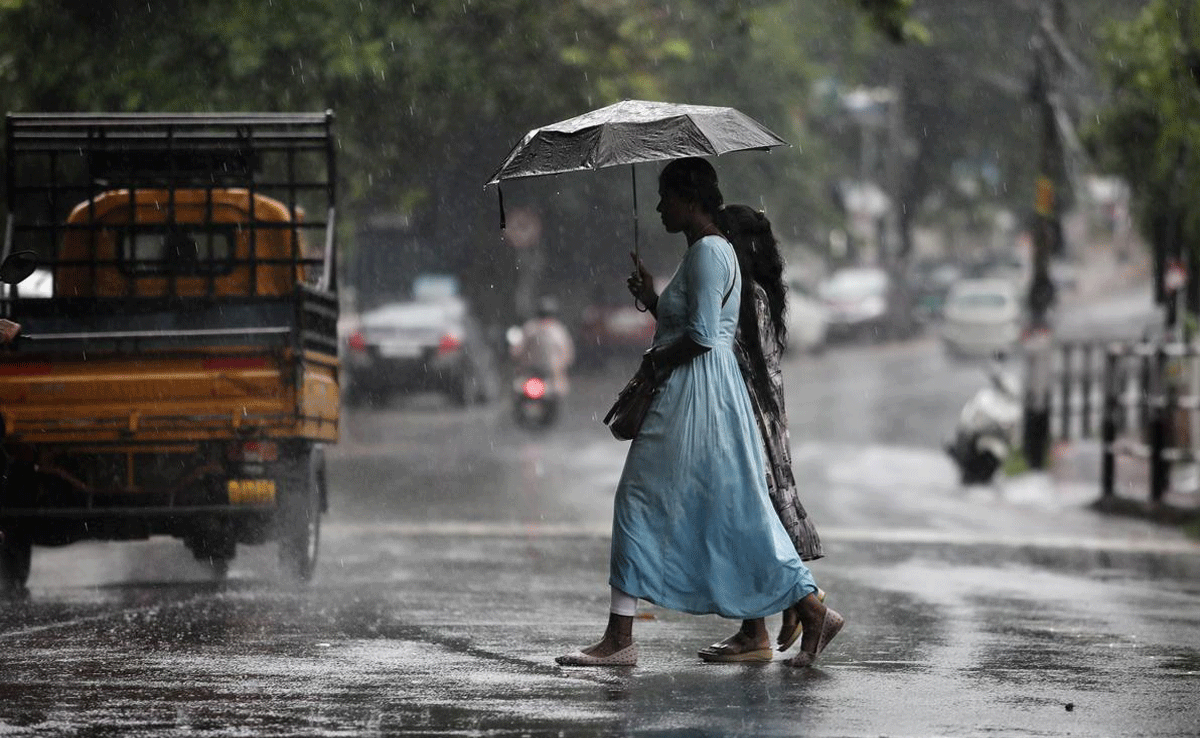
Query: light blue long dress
pixel 693 527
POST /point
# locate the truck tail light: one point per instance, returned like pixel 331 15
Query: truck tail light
pixel 357 342
pixel 254 452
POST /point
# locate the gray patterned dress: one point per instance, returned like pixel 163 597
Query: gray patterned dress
pixel 781 484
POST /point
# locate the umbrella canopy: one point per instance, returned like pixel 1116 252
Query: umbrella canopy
pixel 631 132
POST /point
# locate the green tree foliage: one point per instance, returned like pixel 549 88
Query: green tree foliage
pixel 893 19
pixel 431 94
pixel 966 144
pixel 1149 132
pixel 968 133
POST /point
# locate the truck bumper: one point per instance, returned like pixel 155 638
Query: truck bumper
pixel 60 526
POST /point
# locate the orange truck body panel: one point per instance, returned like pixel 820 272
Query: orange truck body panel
pixel 183 395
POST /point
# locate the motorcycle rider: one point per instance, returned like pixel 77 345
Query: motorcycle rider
pixel 545 345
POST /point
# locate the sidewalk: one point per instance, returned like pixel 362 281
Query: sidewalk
pixel 1075 466
pixel 1103 273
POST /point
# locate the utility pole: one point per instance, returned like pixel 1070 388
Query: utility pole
pixel 1047 233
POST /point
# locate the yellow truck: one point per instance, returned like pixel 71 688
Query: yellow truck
pixel 177 368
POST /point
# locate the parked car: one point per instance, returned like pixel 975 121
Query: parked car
pixel 982 317
pixel 856 299
pixel 430 341
pixel 807 319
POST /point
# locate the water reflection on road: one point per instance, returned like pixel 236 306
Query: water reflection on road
pixel 461 554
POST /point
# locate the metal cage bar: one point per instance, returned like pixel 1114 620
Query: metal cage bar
pixel 92 153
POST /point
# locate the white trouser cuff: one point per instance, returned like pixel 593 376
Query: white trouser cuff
pixel 622 604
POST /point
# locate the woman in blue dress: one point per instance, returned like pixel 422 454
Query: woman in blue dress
pixel 693 527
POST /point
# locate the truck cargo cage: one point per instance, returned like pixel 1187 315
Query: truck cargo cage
pixel 57 161
pixel 280 165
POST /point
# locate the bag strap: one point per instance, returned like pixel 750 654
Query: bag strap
pixel 732 282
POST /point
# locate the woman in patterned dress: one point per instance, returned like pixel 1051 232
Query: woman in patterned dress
pixel 761 337
pixel 693 527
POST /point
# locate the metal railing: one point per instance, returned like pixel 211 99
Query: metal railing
pixel 1141 398
pixel 1150 406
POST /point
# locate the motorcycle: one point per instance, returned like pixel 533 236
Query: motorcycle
pixel 537 395
pixel 987 428
pixel 536 399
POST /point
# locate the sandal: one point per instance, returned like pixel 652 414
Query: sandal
pixel 730 650
pixel 625 657
pixel 788 636
pixel 831 624
pixel 720 653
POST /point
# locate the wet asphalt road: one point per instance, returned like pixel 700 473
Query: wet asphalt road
pixel 461 554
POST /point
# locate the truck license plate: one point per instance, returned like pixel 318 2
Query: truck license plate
pixel 251 491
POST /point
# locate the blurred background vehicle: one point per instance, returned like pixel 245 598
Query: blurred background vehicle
pixel 536 392
pixel 428 340
pixel 863 303
pixel 617 330
pixel 1064 274
pixel 807 318
pixel 988 427
pixel 982 317
pixel 542 353
pixel 857 300
pixel 1005 265
pixel 930 282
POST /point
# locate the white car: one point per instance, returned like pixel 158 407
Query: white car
pixel 807 319
pixel 982 317
pixel 857 302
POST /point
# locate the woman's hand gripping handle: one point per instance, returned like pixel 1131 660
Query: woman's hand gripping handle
pixel 641 285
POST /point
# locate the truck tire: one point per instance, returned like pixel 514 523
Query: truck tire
pixel 298 514
pixel 16 553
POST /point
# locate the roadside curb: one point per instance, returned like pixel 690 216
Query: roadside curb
pixel 1158 512
pixel 1078 463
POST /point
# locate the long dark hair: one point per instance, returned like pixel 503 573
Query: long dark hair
pixel 695 180
pixel 758 256
pixel 761 263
